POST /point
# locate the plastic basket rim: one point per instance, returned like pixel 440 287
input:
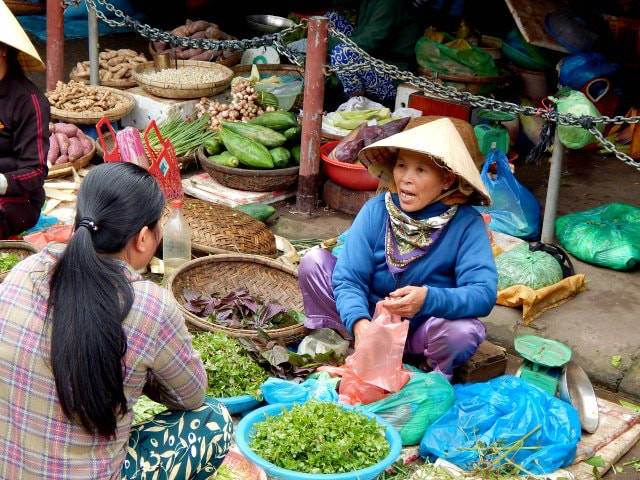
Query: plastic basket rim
pixel 244 428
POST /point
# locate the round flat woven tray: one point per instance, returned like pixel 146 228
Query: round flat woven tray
pixel 123 83
pixel 91 118
pixel 216 228
pixel 261 277
pixel 63 169
pixel 171 90
pixel 247 179
pixel 18 248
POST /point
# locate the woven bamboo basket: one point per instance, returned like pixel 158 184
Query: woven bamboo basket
pixel 230 61
pixel 18 248
pixel 247 179
pixel 216 228
pixel 63 169
pixel 167 90
pixel 261 277
pixel 91 118
pixel 122 83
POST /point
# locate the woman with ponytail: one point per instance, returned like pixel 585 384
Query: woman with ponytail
pixel 82 336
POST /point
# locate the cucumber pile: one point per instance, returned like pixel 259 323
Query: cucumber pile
pixel 270 140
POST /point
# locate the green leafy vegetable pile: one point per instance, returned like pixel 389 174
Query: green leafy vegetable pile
pixel 230 370
pixel 240 310
pixel 320 438
pixel 145 408
pixel 8 261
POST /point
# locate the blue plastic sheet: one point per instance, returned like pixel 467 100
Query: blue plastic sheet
pixel 276 390
pixel 44 221
pixel 514 211
pixel 505 409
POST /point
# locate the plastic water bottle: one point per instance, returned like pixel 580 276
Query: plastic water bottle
pixel 176 242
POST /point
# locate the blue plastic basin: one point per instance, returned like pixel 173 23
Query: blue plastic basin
pixel 245 429
pixel 239 404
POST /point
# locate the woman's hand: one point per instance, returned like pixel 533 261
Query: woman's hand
pixel 406 301
pixel 359 329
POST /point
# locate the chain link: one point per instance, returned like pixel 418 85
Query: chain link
pixel 611 148
pixel 157 35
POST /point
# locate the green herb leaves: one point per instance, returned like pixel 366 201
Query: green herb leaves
pixel 230 370
pixel 320 438
pixel 8 261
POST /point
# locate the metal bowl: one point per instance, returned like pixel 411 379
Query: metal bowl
pixel 576 389
pixel 269 23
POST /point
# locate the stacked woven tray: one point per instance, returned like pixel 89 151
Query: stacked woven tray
pixel 217 229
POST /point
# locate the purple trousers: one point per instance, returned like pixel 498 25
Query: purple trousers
pixel 444 343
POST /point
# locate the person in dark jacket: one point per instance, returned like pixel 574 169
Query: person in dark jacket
pixel 24 140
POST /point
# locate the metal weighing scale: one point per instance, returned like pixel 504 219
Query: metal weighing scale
pixel 494 135
pixel 547 365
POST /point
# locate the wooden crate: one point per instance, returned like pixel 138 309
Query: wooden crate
pixel 490 361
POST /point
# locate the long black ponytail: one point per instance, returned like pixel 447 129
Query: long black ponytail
pixel 90 295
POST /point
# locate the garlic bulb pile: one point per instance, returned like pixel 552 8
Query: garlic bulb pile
pixel 243 105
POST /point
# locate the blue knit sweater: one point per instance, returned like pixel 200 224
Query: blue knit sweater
pixel 458 270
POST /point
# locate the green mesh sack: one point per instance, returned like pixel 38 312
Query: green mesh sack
pixel 440 58
pixel 576 103
pixel 607 236
pixel 422 401
pixel 522 266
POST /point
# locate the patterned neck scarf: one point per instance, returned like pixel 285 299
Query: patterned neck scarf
pixel 407 239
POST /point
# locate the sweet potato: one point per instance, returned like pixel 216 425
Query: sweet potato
pixel 67 128
pixel 200 34
pixel 191 52
pixel 61 159
pixel 159 46
pixel 197 26
pixel 75 149
pixel 204 56
pixel 63 143
pixel 54 150
pixel 181 31
pixel 84 141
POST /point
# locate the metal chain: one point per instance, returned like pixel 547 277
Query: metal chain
pixel 611 148
pixel 157 35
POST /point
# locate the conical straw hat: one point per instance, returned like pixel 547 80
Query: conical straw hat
pixel 11 33
pixel 438 139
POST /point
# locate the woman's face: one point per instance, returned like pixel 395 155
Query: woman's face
pixel 419 180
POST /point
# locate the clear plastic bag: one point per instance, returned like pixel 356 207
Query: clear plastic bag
pixel 322 341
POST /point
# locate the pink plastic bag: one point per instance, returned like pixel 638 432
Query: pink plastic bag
pixel 375 369
pixel 55 233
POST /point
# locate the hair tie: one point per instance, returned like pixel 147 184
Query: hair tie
pixel 88 223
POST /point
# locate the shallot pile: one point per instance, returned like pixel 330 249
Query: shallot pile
pixel 242 107
pixel 66 143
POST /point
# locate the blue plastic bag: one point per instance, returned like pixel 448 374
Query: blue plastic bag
pixel 576 70
pixel 505 409
pixel 44 221
pixel 514 211
pixel 276 390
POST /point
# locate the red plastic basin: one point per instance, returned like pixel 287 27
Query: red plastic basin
pixel 355 177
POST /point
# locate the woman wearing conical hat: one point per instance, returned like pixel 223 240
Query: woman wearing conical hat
pixel 421 248
pixel 24 131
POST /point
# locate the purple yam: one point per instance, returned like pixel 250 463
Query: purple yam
pixel 395 126
pixel 347 152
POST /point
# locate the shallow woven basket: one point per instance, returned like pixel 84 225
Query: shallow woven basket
pixel 91 118
pixel 216 228
pixel 167 90
pixel 18 248
pixel 261 277
pixel 122 83
pixel 62 169
pixel 247 179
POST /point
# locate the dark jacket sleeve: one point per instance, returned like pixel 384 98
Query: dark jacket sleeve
pixel 378 28
pixel 31 127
